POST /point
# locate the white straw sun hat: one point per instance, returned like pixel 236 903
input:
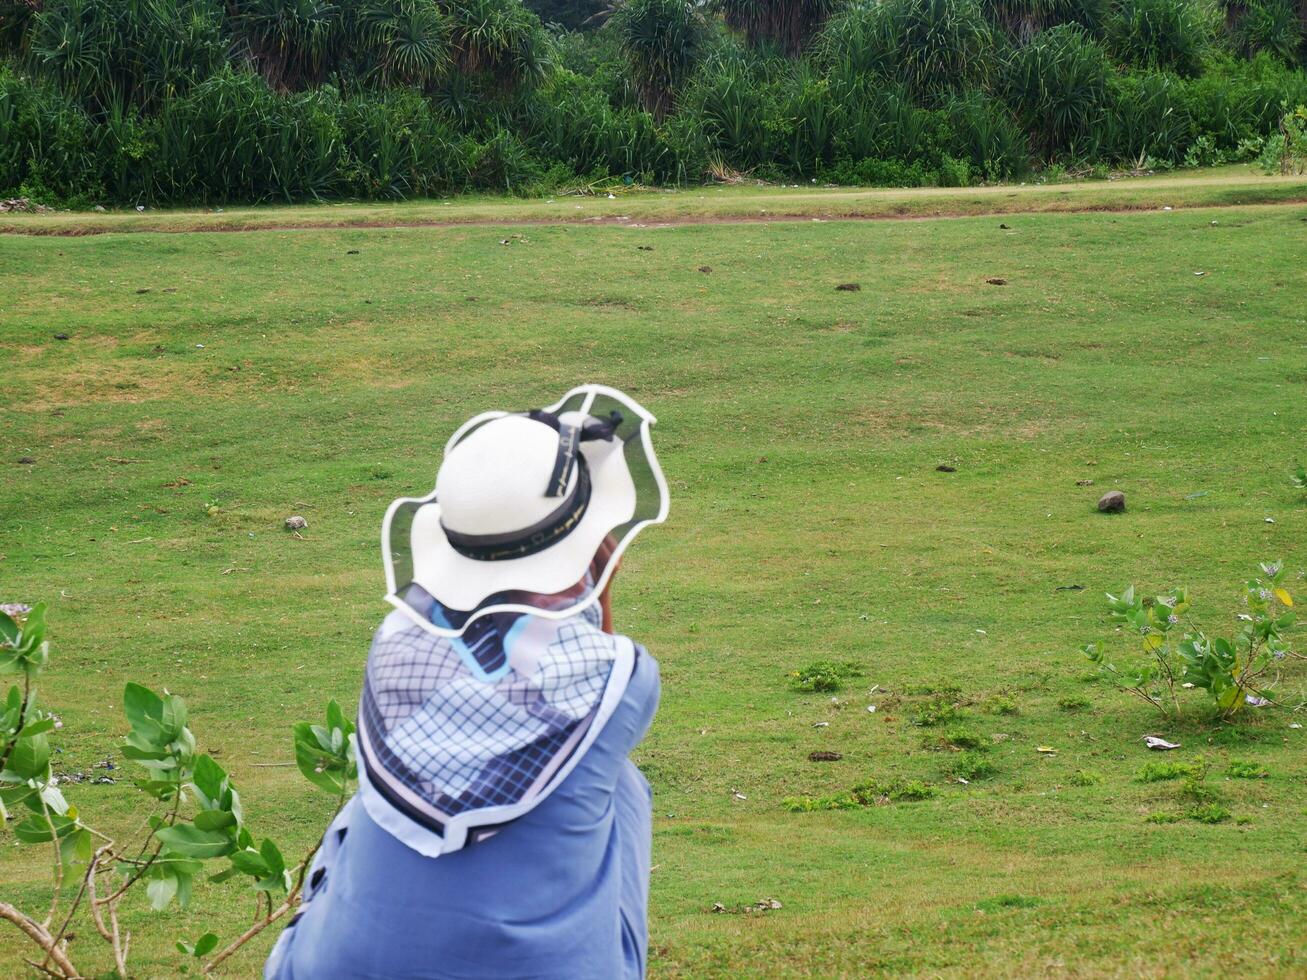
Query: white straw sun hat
pixel 522 503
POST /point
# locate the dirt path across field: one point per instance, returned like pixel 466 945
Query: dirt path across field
pixel 1221 187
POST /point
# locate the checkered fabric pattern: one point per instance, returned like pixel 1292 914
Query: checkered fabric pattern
pixel 462 743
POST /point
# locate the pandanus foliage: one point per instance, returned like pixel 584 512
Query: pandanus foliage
pixel 661 40
pixel 788 24
pixel 294 44
pixel 1058 83
pixel 15 16
pixel 125 52
pixel 1272 26
pixel 409 41
pixel 1023 19
pixel 1168 34
pixel 934 47
pixel 500 38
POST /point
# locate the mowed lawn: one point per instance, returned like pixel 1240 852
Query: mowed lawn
pixel 319 372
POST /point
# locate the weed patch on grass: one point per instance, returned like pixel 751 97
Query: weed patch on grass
pixel 824 675
pixel 1197 791
pixel 1158 772
pixel 1085 777
pixel 1073 703
pixel 1210 813
pixel 873 792
pixel 972 766
pixel 1001 704
pixel 1242 769
pixel 1164 816
pixel 934 712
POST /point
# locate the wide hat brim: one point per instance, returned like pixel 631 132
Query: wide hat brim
pixel 421 565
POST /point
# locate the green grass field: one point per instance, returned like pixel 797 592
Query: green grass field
pixel 318 372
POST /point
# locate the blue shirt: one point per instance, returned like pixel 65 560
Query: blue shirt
pixel 558 894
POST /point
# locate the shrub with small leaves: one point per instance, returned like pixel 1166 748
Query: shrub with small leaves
pixel 1156 772
pixel 1196 790
pixel 1073 702
pixel 934 712
pixel 1084 777
pixel 1230 670
pixel 972 766
pixel 1210 813
pixel 1242 769
pixel 825 675
pixel 1164 816
pixel 1001 704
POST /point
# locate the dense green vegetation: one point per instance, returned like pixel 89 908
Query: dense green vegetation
pixel 154 101
pixel 210 385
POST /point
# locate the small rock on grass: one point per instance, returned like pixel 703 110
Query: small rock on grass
pixel 1112 502
pixel 996 281
pixel 848 287
pixel 945 468
pixel 26 461
pixel 705 269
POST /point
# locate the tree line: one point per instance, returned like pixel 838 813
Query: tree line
pixel 191 101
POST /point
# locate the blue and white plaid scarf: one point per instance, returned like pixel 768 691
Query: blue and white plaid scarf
pixel 458 736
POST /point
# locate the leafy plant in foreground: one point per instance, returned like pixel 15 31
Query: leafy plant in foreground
pixel 197 815
pixel 1232 670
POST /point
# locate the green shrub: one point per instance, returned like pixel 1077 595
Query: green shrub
pixel 48 145
pixel 1272 26
pixel 1235 100
pixel 1001 704
pixel 986 134
pixel 972 766
pixel 1211 813
pixel 1156 772
pixel 1023 19
pixel 1197 791
pixel 1149 118
pixel 934 47
pixel 1228 669
pixel 934 711
pixel 1058 83
pixel 107 53
pixel 1166 34
pixel 1241 769
pixel 1164 816
pixel 1073 702
pixel 661 39
pixel 825 675
pixel 911 792
pixel 1084 777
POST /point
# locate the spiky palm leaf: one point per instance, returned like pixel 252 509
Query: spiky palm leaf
pixel 409 40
